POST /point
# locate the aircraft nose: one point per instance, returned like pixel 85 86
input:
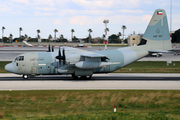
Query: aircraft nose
pixel 9 67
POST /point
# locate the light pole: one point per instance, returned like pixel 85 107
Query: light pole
pixel 105 42
pixel 170 15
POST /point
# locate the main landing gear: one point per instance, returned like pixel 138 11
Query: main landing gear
pixel 81 77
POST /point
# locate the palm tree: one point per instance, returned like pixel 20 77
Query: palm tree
pixel 72 30
pixel 119 34
pixel 20 29
pixel 10 36
pixel 61 37
pixel 89 34
pixel 107 29
pixel 103 36
pixel 50 37
pixel 55 31
pixel 3 28
pixel 123 27
pixel 26 36
pixel 38 31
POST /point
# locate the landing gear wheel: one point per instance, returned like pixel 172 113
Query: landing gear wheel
pixel 25 76
pixel 74 77
pixel 86 77
pixel 89 77
pixel 81 77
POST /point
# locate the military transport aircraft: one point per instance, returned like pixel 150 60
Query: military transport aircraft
pixel 82 63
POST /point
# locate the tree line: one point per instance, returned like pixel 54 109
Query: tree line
pixel 111 39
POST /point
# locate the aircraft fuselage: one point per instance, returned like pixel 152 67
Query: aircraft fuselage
pixel 45 63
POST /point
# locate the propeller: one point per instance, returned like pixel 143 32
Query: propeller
pixel 49 48
pixel 52 48
pixel 64 58
pixel 61 57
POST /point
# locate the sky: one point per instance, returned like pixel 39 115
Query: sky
pixel 81 15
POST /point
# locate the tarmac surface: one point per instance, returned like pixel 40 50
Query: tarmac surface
pixel 138 81
pixel 9 53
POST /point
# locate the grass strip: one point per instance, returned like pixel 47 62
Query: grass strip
pixel 2 65
pixel 151 67
pixel 90 104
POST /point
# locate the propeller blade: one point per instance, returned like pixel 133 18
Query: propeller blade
pixel 59 56
pixel 64 58
pixel 49 49
pixel 63 53
pixel 52 48
pixel 60 52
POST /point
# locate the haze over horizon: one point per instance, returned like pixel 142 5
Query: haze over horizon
pixel 81 15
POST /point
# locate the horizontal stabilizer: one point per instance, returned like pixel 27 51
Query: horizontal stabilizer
pixel 159 51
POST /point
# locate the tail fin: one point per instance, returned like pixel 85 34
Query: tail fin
pixel 157 32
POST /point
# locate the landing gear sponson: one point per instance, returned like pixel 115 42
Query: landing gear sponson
pixel 81 77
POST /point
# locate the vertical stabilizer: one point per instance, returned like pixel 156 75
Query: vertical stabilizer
pixel 157 32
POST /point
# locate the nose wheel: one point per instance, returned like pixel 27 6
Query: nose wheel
pixel 25 76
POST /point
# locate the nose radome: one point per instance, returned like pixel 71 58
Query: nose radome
pixel 9 67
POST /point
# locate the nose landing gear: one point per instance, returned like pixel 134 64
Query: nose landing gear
pixel 25 76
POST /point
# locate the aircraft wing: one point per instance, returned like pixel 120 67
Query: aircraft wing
pixel 93 55
pixel 91 59
pixel 85 53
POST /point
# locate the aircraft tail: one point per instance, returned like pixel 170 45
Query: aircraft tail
pixel 156 36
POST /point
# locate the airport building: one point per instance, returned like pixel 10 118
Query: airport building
pixel 134 39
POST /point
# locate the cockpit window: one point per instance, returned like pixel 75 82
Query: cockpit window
pixel 15 59
pixel 19 58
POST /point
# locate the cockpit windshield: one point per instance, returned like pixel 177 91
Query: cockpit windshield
pixel 19 58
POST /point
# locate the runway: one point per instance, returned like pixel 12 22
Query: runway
pixel 99 81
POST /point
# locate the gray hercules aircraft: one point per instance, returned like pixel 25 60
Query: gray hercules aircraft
pixel 82 63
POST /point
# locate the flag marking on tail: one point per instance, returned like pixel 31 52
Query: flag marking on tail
pixel 159 12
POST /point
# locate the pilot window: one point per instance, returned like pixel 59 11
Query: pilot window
pixel 19 58
pixel 15 59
